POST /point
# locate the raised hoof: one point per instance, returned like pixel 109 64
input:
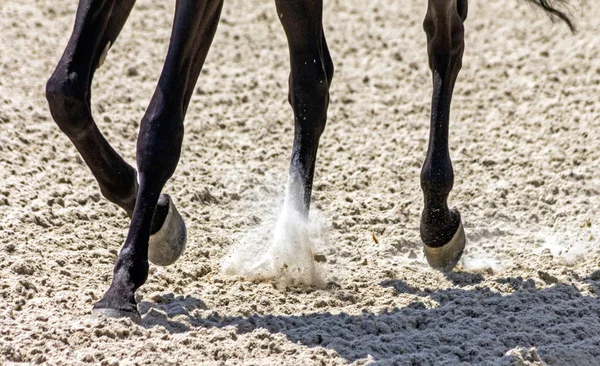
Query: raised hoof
pixel 167 244
pixel 446 257
pixel 117 314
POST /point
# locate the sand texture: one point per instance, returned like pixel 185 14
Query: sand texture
pixel 525 143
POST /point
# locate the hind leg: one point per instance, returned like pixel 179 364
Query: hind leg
pixel 311 71
pixel 441 228
pixel 159 146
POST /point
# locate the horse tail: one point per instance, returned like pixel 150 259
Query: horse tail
pixel 549 6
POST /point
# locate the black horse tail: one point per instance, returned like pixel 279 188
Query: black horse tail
pixel 549 6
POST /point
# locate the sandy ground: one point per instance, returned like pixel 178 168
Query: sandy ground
pixel 525 144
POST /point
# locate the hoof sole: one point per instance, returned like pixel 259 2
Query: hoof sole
pixel 167 244
pixel 446 257
pixel 117 314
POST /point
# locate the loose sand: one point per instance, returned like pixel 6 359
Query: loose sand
pixel 526 149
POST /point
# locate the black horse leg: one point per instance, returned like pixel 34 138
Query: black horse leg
pixel 159 145
pixel 441 228
pixel 310 76
pixel 68 91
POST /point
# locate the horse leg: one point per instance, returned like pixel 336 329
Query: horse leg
pixel 441 227
pixel 97 25
pixel 311 71
pixel 159 146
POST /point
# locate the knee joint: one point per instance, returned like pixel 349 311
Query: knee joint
pixel 68 104
pixel 159 145
pixel 313 91
pixel 445 37
pixel 309 100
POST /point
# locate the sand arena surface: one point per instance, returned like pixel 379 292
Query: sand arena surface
pixel 525 144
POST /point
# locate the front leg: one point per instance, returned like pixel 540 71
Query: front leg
pixel 69 93
pixel 441 228
pixel 159 146
pixel 311 71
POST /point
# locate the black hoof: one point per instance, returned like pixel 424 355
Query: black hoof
pixel 167 244
pixel 117 314
pixel 446 257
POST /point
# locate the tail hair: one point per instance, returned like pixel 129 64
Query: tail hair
pixel 549 6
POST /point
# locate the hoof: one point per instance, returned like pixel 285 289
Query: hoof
pixel 446 257
pixel 116 314
pixel 167 244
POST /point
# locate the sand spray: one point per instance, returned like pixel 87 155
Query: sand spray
pixel 481 264
pixel 282 250
pixel 570 247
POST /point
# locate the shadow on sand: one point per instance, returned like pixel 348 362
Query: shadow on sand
pixel 473 326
